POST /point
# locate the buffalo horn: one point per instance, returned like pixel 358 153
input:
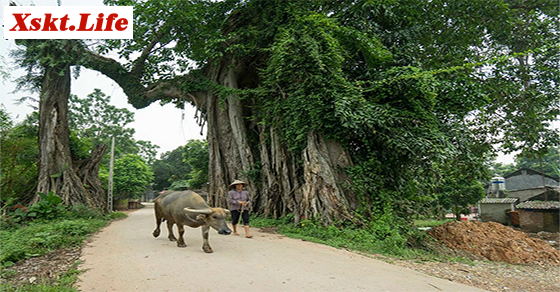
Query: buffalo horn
pixel 199 211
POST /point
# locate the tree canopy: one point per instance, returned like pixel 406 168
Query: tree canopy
pixel 343 109
pixel 414 91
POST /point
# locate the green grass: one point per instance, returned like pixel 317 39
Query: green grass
pixel 35 238
pixel 430 222
pixel 39 238
pixel 376 238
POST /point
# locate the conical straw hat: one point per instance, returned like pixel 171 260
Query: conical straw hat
pixel 237 182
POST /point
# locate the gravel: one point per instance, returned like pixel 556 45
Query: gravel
pixel 46 268
pixel 492 276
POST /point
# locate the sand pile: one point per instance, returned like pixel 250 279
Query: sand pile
pixel 496 242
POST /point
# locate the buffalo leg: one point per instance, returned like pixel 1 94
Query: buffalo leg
pixel 159 219
pixel 181 241
pixel 206 246
pixel 157 231
pixel 170 229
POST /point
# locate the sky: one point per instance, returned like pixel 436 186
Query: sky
pixel 162 125
pixel 165 126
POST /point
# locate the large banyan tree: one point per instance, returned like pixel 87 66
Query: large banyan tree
pixel 327 108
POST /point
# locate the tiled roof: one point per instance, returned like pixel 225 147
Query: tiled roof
pixel 498 200
pixel 541 205
pixel 530 172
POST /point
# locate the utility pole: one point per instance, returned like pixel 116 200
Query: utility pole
pixel 110 185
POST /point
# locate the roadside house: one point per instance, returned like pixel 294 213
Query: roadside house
pixel 520 186
pixel 535 216
pixel 496 209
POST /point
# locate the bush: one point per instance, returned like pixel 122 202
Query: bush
pixel 13 215
pixel 42 236
pixel 49 207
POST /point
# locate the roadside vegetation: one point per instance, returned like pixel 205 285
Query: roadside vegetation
pixel 44 227
pixel 386 236
pixel 33 224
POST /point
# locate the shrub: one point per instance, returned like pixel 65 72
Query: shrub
pixel 13 215
pixel 49 207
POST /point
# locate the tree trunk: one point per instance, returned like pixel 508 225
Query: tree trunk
pixel 74 182
pixel 457 212
pixel 312 189
pixel 231 156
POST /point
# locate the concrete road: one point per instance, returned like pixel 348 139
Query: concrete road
pixel 126 257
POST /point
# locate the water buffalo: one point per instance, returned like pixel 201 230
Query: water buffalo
pixel 189 208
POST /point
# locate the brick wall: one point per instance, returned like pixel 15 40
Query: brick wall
pixel 531 221
pixel 550 220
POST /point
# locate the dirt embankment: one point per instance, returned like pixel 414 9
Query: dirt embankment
pixel 496 242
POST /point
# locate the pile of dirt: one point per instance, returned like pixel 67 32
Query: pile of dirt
pixel 552 238
pixel 496 242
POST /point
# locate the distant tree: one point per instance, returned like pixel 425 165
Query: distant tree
pixel 180 185
pixel 461 177
pixel 549 163
pixel 184 167
pixel 170 168
pixel 501 169
pixel 93 120
pixel 4 73
pixel 162 171
pixel 132 177
pixel 6 122
pixel 195 155
pixel 147 150
pixel 460 191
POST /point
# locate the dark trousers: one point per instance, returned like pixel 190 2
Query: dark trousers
pixel 235 217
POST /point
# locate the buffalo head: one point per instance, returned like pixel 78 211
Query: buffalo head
pixel 214 217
